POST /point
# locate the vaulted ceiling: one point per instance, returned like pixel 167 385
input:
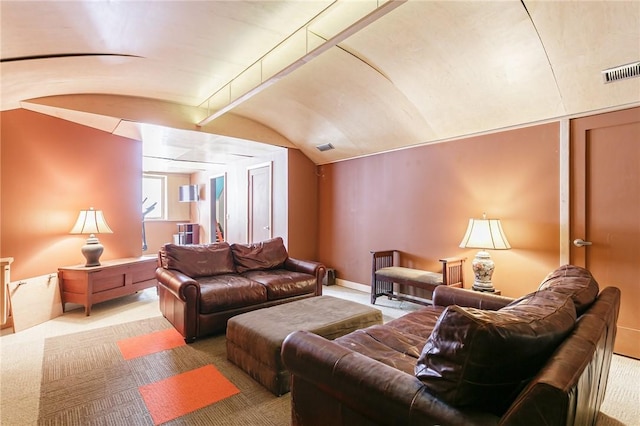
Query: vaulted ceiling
pixel 200 82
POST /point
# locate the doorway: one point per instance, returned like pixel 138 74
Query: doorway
pixel 218 208
pixel 259 203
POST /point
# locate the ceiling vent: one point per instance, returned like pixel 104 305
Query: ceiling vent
pixel 325 147
pixel 621 73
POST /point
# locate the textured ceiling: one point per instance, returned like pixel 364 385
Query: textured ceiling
pixel 391 75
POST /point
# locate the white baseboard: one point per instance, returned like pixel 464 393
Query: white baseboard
pixel 354 286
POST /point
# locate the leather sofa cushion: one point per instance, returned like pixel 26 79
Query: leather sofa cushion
pixel 282 283
pixel 222 292
pixel 385 344
pixel 419 323
pixel 399 342
pixel 198 260
pixel 267 254
pixel 574 281
pixel 482 359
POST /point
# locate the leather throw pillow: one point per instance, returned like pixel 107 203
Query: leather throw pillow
pixel 482 359
pixel 199 260
pixel 267 254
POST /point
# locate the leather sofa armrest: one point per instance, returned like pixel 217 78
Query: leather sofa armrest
pixel 179 284
pixel 308 267
pixel 304 266
pixel 392 396
pixel 446 296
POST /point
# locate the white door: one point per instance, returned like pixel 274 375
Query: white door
pixel 259 214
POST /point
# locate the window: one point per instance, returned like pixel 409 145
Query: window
pixel 154 190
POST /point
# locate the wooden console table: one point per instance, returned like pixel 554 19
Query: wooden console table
pixel 384 274
pixel 113 278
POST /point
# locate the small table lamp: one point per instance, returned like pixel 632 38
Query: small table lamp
pixel 485 234
pixel 91 222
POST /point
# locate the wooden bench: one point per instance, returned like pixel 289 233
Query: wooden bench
pixel 384 273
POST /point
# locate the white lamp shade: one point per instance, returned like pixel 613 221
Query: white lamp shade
pixel 485 234
pixel 91 222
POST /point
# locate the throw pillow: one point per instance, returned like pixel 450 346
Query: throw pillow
pixel 574 281
pixel 267 254
pixel 199 260
pixel 482 359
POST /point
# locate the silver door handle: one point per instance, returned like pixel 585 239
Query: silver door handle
pixel 579 242
pixel 266 227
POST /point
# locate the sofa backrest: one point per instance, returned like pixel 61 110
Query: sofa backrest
pixel 570 388
pixel 263 255
pixel 198 260
pixel 574 281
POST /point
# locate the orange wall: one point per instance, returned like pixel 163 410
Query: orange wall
pixel 302 206
pixel 53 168
pixel 419 201
pixel 416 200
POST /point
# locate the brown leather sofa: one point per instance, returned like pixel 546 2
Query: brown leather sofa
pixel 470 359
pixel 201 286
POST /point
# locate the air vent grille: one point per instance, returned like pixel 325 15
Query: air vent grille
pixel 621 73
pixel 325 147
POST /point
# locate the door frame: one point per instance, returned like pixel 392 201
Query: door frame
pixel 565 191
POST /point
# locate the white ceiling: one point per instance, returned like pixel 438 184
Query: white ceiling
pixel 391 75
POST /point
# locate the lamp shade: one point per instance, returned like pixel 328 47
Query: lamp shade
pixel 486 234
pixel 91 222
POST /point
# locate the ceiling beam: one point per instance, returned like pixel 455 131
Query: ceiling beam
pixel 379 11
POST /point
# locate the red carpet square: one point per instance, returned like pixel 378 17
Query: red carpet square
pixel 150 343
pixel 178 395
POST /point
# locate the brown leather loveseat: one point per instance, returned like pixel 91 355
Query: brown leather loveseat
pixel 470 359
pixel 202 286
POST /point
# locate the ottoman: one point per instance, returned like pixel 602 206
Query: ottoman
pixel 254 339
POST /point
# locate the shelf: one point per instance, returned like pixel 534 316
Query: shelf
pixel 188 233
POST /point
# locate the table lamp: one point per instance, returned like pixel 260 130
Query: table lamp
pixel 485 234
pixel 91 222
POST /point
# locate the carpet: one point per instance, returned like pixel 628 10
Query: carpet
pixel 86 380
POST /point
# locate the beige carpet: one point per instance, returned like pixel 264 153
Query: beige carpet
pixel 621 404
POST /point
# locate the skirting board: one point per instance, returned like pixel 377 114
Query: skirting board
pixel 355 286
